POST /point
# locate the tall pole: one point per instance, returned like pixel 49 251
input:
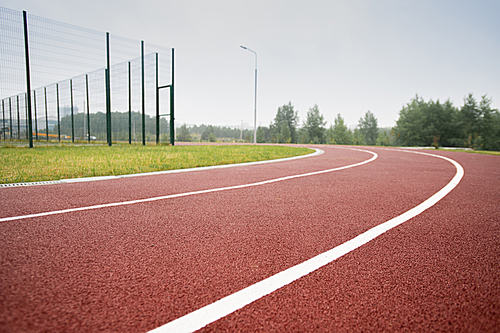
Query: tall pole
pixel 58 115
pixel 18 120
pixel 26 114
pixel 72 118
pixel 172 118
pixel 28 80
pixel 83 116
pixel 157 104
pixel 143 96
pixel 108 94
pixel 106 72
pixel 46 114
pixel 10 118
pixel 3 123
pixel 129 106
pixel 255 105
pixel 255 97
pixel 88 105
pixel 36 118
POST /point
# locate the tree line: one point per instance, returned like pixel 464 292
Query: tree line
pixel 119 126
pixel 210 133
pixel 473 125
pixel 285 128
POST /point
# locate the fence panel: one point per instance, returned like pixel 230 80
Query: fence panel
pixel 67 67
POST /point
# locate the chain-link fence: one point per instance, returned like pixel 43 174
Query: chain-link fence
pixel 69 95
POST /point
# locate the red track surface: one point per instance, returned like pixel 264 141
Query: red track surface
pixel 137 267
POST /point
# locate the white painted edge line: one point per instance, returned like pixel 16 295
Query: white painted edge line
pixel 93 179
pixel 131 202
pixel 227 305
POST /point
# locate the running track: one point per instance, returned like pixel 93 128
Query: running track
pixel 136 267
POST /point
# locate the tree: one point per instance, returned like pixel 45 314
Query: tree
pixel 423 123
pixel 480 123
pixel 368 127
pixel 329 136
pixel 475 125
pixel 341 135
pixel 469 116
pixel 261 135
pixel 284 133
pixel 285 117
pixel 383 137
pixel 206 132
pixel 436 122
pixel 315 125
pixel 358 137
pixel 448 120
pixel 408 129
pixel 183 134
pixel 489 126
pixel 303 136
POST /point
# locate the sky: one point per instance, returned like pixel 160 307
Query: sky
pixel 347 57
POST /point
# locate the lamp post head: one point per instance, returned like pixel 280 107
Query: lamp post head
pixel 246 48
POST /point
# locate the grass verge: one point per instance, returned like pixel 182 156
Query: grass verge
pixel 19 165
pixel 484 152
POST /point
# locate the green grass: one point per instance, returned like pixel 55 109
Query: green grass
pixel 62 162
pixel 484 152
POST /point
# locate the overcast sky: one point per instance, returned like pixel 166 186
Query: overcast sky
pixel 347 57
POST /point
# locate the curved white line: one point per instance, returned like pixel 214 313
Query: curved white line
pixel 227 305
pixel 131 202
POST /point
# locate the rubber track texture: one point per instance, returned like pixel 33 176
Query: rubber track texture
pixel 138 267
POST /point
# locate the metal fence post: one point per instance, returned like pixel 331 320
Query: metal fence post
pixel 88 105
pixel 108 93
pixel 72 119
pixel 10 119
pixel 28 81
pixel 143 97
pixel 172 118
pixel 36 119
pixel 129 105
pixel 157 104
pixel 26 114
pixel 3 123
pixel 107 105
pixel 18 120
pixel 46 115
pixel 58 116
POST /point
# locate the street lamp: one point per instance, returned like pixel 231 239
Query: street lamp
pixel 255 100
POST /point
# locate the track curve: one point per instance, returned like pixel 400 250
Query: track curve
pixel 229 304
pixel 137 267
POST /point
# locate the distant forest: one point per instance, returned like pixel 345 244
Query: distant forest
pixel 473 125
pixel 119 126
pixel 421 123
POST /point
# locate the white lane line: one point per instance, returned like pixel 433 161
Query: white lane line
pixel 131 202
pixel 227 305
pixel 93 179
